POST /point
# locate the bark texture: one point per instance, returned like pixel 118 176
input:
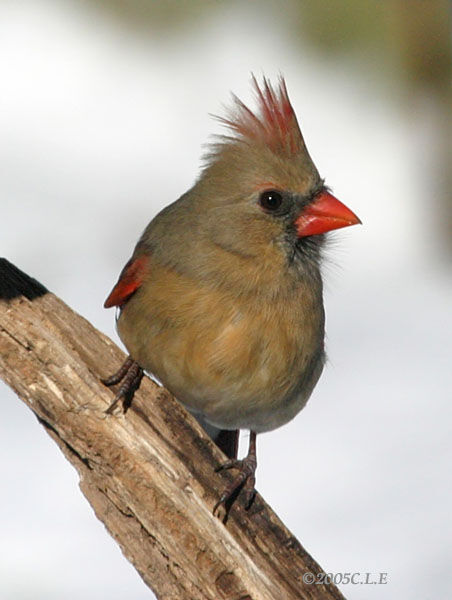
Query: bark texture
pixel 149 475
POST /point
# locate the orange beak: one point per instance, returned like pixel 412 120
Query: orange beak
pixel 324 214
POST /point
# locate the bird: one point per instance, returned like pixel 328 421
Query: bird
pixel 221 300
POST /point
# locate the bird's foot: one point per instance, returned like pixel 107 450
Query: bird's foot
pixel 244 481
pixel 131 374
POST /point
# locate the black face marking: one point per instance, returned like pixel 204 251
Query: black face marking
pixel 286 207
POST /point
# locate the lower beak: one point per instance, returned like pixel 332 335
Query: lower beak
pixel 324 214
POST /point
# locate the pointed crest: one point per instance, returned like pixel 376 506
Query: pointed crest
pixel 275 124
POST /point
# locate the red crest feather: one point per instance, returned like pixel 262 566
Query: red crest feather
pixel 275 125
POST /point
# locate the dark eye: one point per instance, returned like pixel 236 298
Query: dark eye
pixel 270 200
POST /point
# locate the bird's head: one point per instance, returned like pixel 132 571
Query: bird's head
pixel 261 187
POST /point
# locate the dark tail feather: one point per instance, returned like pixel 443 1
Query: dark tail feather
pixel 228 441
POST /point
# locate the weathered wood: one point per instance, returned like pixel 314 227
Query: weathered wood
pixel 149 475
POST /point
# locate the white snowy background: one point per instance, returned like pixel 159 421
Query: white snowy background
pixel 100 127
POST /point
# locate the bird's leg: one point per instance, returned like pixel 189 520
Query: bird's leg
pixel 131 374
pixel 246 476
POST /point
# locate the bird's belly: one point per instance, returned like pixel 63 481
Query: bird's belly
pixel 246 388
pixel 240 368
pixel 262 400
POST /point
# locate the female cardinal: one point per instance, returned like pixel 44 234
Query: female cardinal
pixel 222 298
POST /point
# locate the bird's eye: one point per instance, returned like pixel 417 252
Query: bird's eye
pixel 270 200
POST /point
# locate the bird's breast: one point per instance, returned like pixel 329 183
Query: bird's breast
pixel 242 360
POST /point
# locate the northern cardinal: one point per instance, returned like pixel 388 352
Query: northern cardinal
pixel 222 298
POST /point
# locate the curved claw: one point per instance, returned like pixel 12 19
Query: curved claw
pixel 245 479
pixel 233 463
pixel 120 373
pixel 131 373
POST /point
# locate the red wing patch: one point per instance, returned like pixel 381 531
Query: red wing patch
pixel 129 281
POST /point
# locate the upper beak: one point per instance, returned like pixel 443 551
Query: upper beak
pixel 324 214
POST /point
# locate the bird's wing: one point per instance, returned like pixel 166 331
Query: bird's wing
pixel 129 281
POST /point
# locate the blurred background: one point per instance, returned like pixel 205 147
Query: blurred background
pixel 103 116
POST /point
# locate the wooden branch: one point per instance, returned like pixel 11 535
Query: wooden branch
pixel 149 475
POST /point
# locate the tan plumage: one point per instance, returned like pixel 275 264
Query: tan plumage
pixel 236 358
pixel 222 299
